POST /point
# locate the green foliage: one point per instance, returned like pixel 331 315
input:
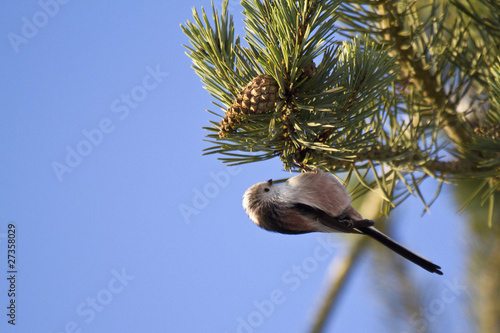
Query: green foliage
pixel 494 83
pixel 413 93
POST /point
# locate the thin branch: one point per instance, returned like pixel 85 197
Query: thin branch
pixel 420 75
pixel 338 280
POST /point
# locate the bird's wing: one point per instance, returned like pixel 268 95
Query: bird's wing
pixel 319 190
pixel 324 222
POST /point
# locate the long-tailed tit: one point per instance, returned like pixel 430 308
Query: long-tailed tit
pixel 315 201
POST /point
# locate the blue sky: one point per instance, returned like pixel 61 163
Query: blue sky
pixel 121 224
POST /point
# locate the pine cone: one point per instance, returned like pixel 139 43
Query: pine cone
pixel 257 97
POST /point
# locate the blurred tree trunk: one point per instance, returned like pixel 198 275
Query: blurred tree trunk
pixel 483 261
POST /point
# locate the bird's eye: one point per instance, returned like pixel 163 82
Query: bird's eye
pixel 266 189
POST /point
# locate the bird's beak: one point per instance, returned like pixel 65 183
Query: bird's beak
pixel 270 182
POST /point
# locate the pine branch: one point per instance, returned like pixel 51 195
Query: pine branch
pixel 419 73
pixel 445 55
pixel 373 106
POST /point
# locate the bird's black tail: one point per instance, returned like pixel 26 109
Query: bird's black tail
pixel 401 250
